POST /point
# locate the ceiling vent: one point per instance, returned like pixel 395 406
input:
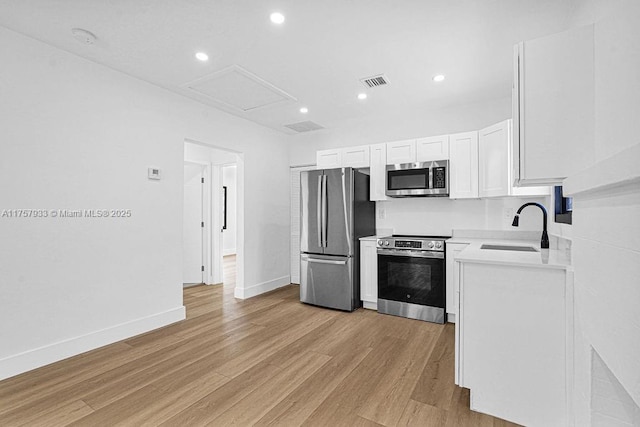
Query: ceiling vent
pixel 304 126
pixel 239 89
pixel 375 81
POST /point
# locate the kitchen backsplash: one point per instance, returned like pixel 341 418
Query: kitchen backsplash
pixel 439 216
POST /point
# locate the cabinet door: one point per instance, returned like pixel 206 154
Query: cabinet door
pixel 513 342
pixel 493 158
pixel 369 274
pixel 378 172
pixel 463 165
pixel 452 250
pixel 328 159
pixel 355 157
pixel 432 148
pixel 401 152
pixel 553 104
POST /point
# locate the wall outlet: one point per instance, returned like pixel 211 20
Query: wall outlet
pixel 382 214
pixel 508 214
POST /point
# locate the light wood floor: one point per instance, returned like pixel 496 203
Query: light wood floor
pixel 269 360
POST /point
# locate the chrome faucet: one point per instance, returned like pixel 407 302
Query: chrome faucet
pixel 544 243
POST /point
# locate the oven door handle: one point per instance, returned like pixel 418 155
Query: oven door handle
pixel 406 253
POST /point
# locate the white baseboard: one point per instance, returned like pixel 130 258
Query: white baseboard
pixel 261 288
pixel 370 305
pixel 32 359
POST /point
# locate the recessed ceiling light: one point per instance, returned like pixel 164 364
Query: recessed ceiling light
pixel 202 56
pixel 438 78
pixel 83 36
pixel 362 96
pixel 277 18
pixel 304 110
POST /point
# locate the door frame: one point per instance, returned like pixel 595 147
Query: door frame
pixel 212 273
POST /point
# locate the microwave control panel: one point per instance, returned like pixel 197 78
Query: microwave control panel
pixel 439 177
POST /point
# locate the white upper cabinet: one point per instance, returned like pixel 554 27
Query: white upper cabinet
pixel 553 106
pixel 355 157
pixel 401 152
pixel 493 153
pixel 378 173
pixel 432 148
pixel 463 165
pixel 327 159
pixel 495 164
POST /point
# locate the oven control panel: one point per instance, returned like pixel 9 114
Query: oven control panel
pixel 412 243
pixel 408 244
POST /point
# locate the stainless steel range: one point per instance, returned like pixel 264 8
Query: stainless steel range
pixel 411 277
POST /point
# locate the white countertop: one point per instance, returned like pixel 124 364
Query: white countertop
pixel 543 258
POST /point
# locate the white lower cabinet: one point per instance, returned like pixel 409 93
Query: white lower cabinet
pixel 512 341
pixel 369 273
pixel 452 249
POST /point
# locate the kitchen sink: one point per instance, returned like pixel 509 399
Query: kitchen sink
pixel 509 248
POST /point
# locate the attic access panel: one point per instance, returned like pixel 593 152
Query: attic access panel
pixel 239 89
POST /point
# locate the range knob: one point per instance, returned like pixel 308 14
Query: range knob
pixel 386 243
pixel 438 245
pixel 430 245
pixel 379 242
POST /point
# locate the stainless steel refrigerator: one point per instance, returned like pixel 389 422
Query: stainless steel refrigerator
pixel 335 213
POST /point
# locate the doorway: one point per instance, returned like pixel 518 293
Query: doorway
pixel 221 218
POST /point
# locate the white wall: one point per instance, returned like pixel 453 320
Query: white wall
pixel 606 236
pixel 229 235
pixel 77 135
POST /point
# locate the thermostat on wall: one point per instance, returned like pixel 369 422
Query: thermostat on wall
pixel 154 173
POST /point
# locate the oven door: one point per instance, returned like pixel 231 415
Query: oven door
pixel 410 280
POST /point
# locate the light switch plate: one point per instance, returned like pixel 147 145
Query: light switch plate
pixel 153 173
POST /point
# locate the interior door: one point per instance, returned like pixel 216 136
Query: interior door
pixel 311 183
pixel 339 211
pixel 192 247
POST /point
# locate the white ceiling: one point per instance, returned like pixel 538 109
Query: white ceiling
pixel 317 56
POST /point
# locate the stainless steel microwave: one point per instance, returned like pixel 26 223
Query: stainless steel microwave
pixel 418 179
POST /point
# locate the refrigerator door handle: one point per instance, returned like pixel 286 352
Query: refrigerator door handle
pixel 325 211
pixel 323 261
pixel 319 211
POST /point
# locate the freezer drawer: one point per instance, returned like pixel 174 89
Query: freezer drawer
pixel 327 281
